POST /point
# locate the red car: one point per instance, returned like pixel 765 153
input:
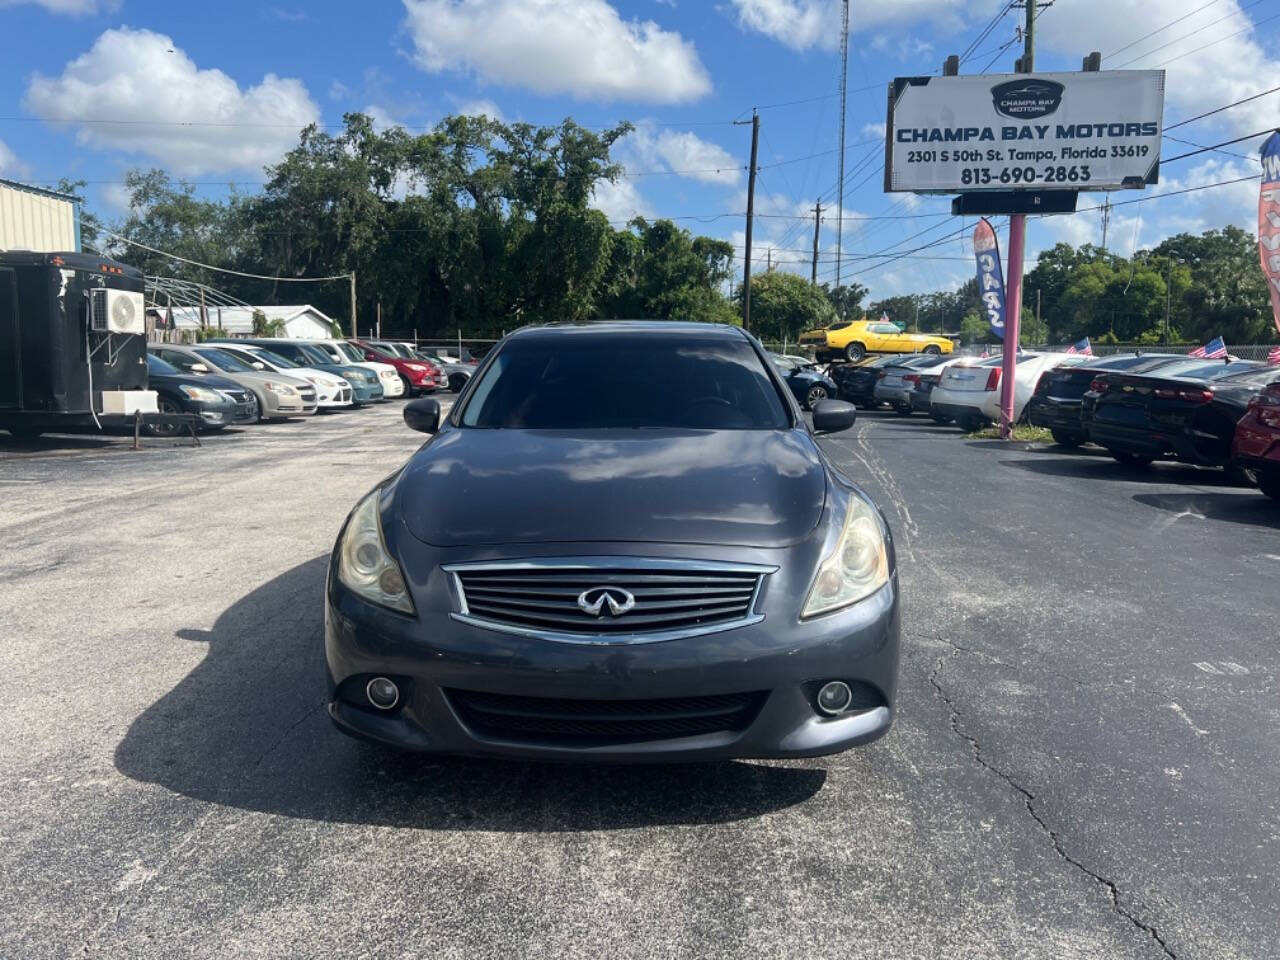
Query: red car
pixel 1256 445
pixel 419 376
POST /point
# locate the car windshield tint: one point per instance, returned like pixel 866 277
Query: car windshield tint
pixel 158 366
pixel 840 325
pixel 350 352
pixel 1125 362
pixel 224 361
pixel 577 382
pixel 1256 377
pixel 308 355
pixel 1197 369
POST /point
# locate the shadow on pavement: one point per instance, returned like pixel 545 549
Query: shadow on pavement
pixel 247 728
pixel 1243 507
pixel 1104 468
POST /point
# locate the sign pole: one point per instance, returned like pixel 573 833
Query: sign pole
pixel 1017 243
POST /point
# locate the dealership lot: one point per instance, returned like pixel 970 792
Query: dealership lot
pixel 1085 763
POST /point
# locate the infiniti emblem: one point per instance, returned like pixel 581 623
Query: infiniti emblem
pixel 592 602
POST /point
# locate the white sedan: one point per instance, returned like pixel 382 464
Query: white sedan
pixel 343 352
pixel 970 392
pixel 331 390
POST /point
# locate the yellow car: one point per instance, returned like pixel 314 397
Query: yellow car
pixel 854 339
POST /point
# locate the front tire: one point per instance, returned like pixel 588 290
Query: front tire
pixel 816 393
pixel 1065 438
pixel 933 349
pixel 408 387
pixel 855 352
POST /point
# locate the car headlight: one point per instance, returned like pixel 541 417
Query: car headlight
pixel 202 394
pixel 387 374
pixel 281 389
pixel 857 568
pixel 315 381
pixel 364 565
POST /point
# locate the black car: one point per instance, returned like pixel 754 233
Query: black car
pixel 856 382
pixel 635 562
pixel 807 383
pixel 217 401
pixel 1055 404
pixel 1186 410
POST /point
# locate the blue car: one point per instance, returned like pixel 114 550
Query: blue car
pixel 805 380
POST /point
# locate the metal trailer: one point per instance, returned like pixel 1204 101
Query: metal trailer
pixel 73 346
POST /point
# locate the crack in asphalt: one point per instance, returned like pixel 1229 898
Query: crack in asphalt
pixel 1028 799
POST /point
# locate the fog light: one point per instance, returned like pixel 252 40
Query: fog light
pixel 834 697
pixel 384 694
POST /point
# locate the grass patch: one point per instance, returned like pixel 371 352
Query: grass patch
pixel 1022 432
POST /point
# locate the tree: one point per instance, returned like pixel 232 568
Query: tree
pixel 1226 294
pixel 846 298
pixel 661 271
pixel 784 304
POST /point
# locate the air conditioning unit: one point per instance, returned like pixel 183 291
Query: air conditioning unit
pixel 117 311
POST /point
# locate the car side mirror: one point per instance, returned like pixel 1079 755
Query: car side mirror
pixel 422 415
pixel 198 368
pixel 832 416
pixel 258 365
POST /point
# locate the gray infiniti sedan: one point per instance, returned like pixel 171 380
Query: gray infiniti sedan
pixel 623 544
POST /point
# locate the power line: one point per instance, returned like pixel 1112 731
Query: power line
pixel 1230 36
pixel 1215 146
pixel 1200 29
pixel 1134 43
pixel 1209 113
pixel 235 273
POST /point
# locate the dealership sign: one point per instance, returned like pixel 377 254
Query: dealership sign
pixel 1051 131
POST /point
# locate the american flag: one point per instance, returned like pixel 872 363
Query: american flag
pixel 884 318
pixel 1082 347
pixel 1215 349
pixel 1274 355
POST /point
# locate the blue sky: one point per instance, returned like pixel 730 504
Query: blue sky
pixel 215 91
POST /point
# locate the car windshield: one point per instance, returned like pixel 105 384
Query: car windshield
pixel 347 350
pixel 273 358
pixel 1195 368
pixel 158 366
pixel 1259 376
pixel 312 355
pixel 1126 361
pixel 223 360
pixel 577 382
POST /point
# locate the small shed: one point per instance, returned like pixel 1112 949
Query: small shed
pixel 42 221
pixel 301 321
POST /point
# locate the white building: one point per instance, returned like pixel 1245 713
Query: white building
pixel 38 220
pixel 301 321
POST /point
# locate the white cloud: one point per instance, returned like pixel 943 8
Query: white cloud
pixel 680 152
pixel 620 201
pixel 115 196
pixel 142 77
pixel 339 90
pixel 579 47
pixel 479 108
pixel 10 165
pixel 801 24
pixel 873 131
pixel 78 8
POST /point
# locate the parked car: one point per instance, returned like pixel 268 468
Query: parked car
pixel 343 353
pixel 217 401
pixel 332 391
pixel 806 382
pixel 648 561
pixel 856 383
pixel 452 353
pixel 970 394
pixel 892 386
pixel 418 376
pixel 1256 444
pixel 1055 404
pixel 362 385
pixel 922 384
pixel 279 396
pixel 457 374
pixel 1185 411
pixel 854 339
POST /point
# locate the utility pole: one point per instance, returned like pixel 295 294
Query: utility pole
pixel 817 222
pixel 844 76
pixel 1106 219
pixel 1017 243
pixel 354 331
pixel 751 213
pixel 379 325
pixel 769 261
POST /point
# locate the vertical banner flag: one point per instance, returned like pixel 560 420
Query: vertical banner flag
pixel 1269 221
pixel 990 277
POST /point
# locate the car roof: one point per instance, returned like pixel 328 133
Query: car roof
pixel 672 328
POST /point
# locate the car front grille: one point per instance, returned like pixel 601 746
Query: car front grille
pixel 308 394
pixel 239 396
pixel 645 599
pixel 583 723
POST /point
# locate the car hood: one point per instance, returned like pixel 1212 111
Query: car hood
pixel 212 380
pixel 758 488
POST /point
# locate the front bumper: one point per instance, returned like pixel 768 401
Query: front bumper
pixel 778 658
pixel 1172 444
pixel 392 386
pixel 368 392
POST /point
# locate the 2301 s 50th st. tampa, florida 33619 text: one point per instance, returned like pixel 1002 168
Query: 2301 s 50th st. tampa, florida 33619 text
pixel 646 560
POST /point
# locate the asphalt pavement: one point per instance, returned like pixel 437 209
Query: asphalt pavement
pixel 1084 762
